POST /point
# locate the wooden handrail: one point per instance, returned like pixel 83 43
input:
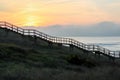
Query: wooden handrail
pixel 53 39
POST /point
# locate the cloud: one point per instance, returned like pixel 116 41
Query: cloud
pixel 63 12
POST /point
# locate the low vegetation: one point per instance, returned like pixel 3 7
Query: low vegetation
pixel 18 63
pixel 23 59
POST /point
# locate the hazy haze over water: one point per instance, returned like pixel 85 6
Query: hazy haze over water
pixel 111 43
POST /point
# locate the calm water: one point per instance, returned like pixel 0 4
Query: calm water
pixel 111 43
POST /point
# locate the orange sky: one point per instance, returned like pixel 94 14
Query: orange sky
pixel 51 12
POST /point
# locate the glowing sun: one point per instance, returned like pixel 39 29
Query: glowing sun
pixel 31 21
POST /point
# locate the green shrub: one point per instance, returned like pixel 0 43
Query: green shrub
pixel 79 60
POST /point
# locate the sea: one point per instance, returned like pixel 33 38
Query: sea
pixel 111 43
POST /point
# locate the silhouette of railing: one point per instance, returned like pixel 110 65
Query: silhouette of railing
pixel 52 39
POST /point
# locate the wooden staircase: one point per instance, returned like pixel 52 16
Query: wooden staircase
pixel 59 40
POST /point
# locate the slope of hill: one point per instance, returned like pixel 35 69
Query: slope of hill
pixel 25 58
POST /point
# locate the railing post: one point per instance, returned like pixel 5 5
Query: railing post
pixel 119 54
pixel 98 48
pixel 17 29
pixel 71 42
pixel 109 53
pixel 93 47
pixel 11 27
pixel 104 50
pixel 114 53
pixel 28 32
pixel 34 32
pixel 88 47
pixel 82 45
pixel 23 31
pixel 5 24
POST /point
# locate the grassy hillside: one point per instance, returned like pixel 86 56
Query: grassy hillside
pixel 23 58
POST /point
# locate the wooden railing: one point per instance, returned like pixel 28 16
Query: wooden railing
pixel 68 41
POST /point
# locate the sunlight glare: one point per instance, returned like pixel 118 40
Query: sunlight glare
pixel 31 21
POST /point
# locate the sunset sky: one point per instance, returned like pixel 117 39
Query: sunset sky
pixel 63 12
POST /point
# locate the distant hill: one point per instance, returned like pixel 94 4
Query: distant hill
pixel 101 29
